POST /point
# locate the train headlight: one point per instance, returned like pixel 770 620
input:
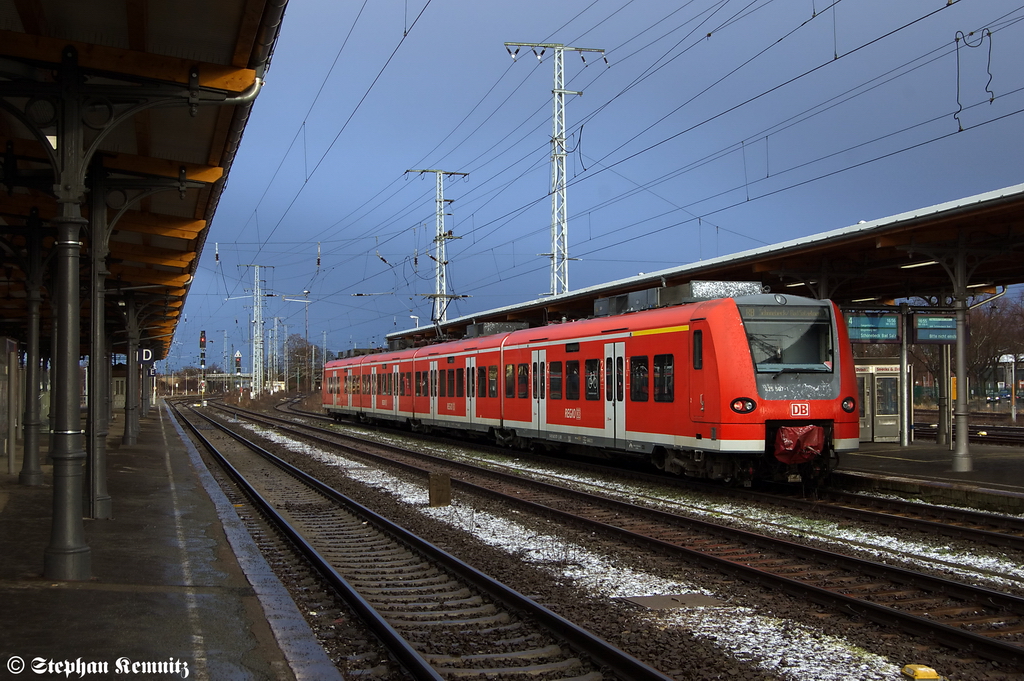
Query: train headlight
pixel 849 404
pixel 743 405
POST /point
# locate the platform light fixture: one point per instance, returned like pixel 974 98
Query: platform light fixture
pixel 918 264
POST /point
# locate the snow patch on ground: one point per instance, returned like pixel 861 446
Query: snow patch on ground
pixel 784 648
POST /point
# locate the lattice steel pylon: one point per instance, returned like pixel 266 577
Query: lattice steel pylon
pixel 440 297
pixel 256 386
pixel 559 215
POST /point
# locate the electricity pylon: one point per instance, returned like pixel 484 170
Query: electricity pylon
pixel 440 297
pixel 559 215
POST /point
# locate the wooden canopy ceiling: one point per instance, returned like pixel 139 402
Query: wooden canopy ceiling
pixel 168 90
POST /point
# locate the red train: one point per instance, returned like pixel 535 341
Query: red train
pixel 739 388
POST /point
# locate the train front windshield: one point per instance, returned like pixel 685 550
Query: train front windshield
pixel 789 339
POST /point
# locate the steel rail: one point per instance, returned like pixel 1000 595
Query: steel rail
pixel 621 663
pixel 408 657
pixel 887 616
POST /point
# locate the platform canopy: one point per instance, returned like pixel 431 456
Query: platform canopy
pixel 975 242
pixel 163 91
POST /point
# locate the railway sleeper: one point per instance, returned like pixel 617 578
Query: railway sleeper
pixel 429 613
pixel 450 587
pixel 529 654
pixel 473 624
pixel 419 597
pixel 567 664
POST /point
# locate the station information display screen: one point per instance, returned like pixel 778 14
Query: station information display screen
pixel 874 327
pixel 935 329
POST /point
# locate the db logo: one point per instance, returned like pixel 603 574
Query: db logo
pixel 800 409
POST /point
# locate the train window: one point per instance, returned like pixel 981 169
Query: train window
pixel 510 380
pixel 442 388
pixel 425 388
pixel 541 380
pixel 417 383
pixel 593 371
pixel 524 381
pixel 609 379
pixel 451 383
pixel 572 380
pixel 698 349
pixel 664 378
pixel 620 379
pixel 492 381
pixel 795 339
pixel 481 381
pixel 433 382
pixel 459 388
pixel 638 378
pixel 408 383
pixel 469 382
pixel 572 347
pixel 555 380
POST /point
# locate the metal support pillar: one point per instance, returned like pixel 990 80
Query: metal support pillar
pixel 31 473
pixel 68 557
pixel 906 403
pixel 98 419
pixel 12 408
pixel 962 453
pixel 131 381
pixel 944 425
pixel 147 390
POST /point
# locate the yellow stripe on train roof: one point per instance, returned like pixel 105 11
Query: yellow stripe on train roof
pixel 665 329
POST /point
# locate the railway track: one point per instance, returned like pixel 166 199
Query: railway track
pixel 964 524
pixel 438 616
pixel 978 434
pixel 980 621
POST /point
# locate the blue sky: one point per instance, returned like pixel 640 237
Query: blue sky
pixel 716 126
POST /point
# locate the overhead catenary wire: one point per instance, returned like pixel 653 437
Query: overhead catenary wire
pixel 485 225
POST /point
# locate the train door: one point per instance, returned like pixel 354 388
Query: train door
pixel 470 389
pixel 704 401
pixel 395 377
pixel 540 398
pixel 374 390
pixel 615 393
pixel 433 388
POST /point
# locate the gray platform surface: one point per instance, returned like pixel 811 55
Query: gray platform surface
pixel 176 580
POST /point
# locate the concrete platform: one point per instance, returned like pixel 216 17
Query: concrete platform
pixel 995 481
pixel 176 579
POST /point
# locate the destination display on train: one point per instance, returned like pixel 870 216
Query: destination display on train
pixel 873 327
